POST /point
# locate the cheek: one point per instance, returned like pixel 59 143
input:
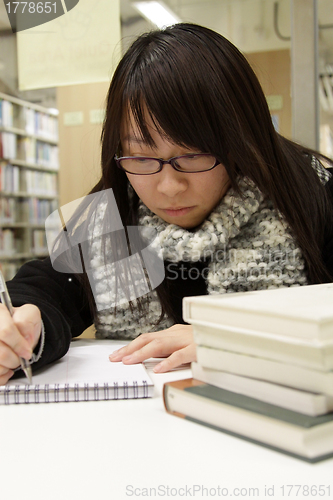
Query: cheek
pixel 134 181
pixel 140 185
pixel 217 184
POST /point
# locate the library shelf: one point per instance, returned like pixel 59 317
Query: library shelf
pixel 29 170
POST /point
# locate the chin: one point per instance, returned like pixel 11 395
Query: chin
pixel 189 224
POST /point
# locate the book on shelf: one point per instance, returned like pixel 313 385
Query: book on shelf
pixel 39 210
pixel 309 403
pixel 39 183
pixel 9 177
pixel 301 436
pixel 8 145
pixel 8 242
pixel 40 124
pixel 24 118
pixel 294 350
pixel 29 150
pixel 8 210
pixel 26 149
pixel 28 120
pixel 47 155
pixel 32 211
pixel 29 167
pixel 289 375
pixel 6 113
pixel 303 311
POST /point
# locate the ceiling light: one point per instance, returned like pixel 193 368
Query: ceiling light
pixel 157 13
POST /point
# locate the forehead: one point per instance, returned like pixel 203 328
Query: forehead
pixel 147 132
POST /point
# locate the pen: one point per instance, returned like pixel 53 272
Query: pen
pixel 5 299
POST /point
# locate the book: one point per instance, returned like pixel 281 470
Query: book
pixel 264 369
pixel 303 311
pixel 303 352
pixel 83 374
pixel 301 436
pixel 309 403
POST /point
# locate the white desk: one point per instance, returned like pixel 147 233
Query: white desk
pixel 79 451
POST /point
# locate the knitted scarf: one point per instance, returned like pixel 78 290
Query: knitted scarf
pixel 248 245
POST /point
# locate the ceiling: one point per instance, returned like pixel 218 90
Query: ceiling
pixel 249 24
pixel 217 13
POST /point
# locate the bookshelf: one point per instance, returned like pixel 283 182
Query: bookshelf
pixel 29 169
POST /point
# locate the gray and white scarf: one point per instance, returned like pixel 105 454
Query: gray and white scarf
pixel 248 245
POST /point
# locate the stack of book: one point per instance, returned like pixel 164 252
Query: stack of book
pixel 264 368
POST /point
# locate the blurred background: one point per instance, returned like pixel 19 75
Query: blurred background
pixel 54 79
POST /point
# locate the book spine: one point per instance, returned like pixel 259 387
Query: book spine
pixel 265 322
pixel 286 397
pixel 247 425
pixel 263 369
pixel 166 391
pixel 316 355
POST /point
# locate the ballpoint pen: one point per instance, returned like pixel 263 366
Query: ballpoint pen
pixel 5 299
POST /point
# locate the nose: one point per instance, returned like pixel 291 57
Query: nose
pixel 171 182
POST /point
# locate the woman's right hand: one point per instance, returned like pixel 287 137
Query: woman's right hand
pixel 19 335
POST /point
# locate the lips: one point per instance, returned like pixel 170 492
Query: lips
pixel 175 208
pixel 177 211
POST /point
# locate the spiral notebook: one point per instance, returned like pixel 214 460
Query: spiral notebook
pixel 84 374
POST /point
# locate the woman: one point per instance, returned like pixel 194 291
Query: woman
pixel 189 150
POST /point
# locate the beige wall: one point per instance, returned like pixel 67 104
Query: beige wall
pixel 273 70
pixel 79 144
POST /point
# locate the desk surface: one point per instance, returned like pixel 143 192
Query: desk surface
pixel 115 449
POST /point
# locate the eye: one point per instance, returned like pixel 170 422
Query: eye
pixel 196 162
pixel 144 161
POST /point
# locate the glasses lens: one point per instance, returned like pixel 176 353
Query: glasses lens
pixel 140 165
pixel 195 163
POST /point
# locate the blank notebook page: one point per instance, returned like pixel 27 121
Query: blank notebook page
pixel 83 368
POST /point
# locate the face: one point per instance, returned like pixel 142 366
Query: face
pixel 185 199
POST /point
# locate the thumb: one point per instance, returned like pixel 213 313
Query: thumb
pixel 27 319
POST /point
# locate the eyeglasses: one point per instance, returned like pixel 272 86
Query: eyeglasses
pixel 144 165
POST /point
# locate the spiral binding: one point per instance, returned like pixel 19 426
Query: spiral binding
pixel 56 393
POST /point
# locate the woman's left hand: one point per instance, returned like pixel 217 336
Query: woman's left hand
pixel 175 342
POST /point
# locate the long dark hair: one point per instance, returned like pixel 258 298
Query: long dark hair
pixel 201 92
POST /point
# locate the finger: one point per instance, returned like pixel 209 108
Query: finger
pixel 133 346
pixel 8 359
pixel 27 319
pixel 10 335
pixel 6 376
pixel 159 347
pixel 178 358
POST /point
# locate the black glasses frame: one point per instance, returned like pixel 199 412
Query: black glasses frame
pixel 172 161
